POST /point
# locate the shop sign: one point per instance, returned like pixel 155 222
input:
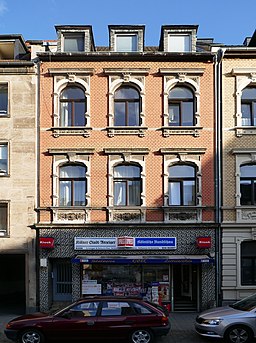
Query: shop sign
pixel 46 242
pixel 125 242
pixel 204 242
pixel 95 243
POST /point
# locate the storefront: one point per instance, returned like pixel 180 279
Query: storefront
pixel 165 270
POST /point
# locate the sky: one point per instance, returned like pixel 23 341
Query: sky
pixel 227 21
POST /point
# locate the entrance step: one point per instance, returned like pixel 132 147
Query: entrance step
pixel 185 306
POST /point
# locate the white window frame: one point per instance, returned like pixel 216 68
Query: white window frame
pixel 126 35
pixel 4 233
pixel 6 145
pixel 2 114
pixel 72 35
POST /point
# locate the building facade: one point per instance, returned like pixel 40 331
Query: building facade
pixel 126 181
pixel 238 164
pixel 18 83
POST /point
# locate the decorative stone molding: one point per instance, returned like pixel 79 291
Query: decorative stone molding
pixel 181 130
pixel 183 215
pixel 72 216
pixel 126 215
pixel 126 130
pixel 71 131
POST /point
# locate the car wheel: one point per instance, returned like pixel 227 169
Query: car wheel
pixel 31 336
pixel 141 336
pixel 238 334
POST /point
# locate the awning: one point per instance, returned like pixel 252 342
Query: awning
pixel 138 259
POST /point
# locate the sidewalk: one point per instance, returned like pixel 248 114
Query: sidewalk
pixel 182 329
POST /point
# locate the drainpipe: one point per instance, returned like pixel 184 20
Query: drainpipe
pixel 37 256
pixel 218 171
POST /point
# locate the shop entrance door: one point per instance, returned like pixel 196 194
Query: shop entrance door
pixel 185 287
pixel 62 281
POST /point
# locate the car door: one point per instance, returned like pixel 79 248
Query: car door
pixel 115 320
pixel 78 322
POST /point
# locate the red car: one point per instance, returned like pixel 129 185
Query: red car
pixel 93 318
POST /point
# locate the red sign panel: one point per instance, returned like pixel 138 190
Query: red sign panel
pixel 46 242
pixel 125 242
pixel 204 242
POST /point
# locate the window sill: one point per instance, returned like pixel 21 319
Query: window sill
pixel 126 130
pixel 245 130
pixel 71 131
pixel 181 130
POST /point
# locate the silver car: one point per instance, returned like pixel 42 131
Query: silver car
pixel 235 323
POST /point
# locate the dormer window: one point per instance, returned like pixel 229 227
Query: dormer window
pixel 126 42
pixel 73 42
pixel 179 43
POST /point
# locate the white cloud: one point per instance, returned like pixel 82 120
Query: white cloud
pixel 3 7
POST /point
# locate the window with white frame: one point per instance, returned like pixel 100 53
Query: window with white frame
pixel 73 42
pixel 127 104
pixel 182 185
pixel 3 159
pixel 127 185
pixel 248 184
pixel 3 219
pixel 72 185
pixel 181 106
pixel 72 106
pixel 3 99
pixel 179 42
pixel 126 42
pixel 248 104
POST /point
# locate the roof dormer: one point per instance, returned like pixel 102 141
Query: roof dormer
pixel 75 38
pixel 178 38
pixel 126 38
pixel 12 47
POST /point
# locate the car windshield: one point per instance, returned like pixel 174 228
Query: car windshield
pixel 246 304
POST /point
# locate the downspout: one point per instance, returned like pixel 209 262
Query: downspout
pixel 38 66
pixel 218 171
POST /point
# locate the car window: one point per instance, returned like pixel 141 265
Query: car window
pixel 246 304
pixel 86 309
pixel 114 308
pixel 142 309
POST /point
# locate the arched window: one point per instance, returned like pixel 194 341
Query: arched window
pixel 181 107
pixel 248 184
pixel 72 107
pixel 127 185
pixel 72 185
pixel 127 104
pixel 248 103
pixel 248 263
pixel 182 185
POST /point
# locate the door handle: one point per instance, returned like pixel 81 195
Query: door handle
pixel 90 323
pixel 129 322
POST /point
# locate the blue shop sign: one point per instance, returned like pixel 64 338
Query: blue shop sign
pixel 155 242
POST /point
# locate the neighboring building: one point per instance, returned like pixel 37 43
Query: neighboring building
pixel 238 115
pixel 126 176
pixel 17 175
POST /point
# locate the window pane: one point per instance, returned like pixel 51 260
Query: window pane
pixel 126 43
pixel 119 119
pixel 65 193
pixel 79 193
pixel 248 248
pixel 245 189
pixel 189 193
pixel 187 113
pixel 79 114
pixel 3 99
pixel 3 159
pixel 72 171
pixel 134 193
pixel 181 171
pixel 133 114
pixel 181 93
pixel 73 43
pixel 126 93
pixel 119 193
pixel 179 43
pixel 174 193
pixel 247 271
pixel 246 115
pixel 3 219
pixel 174 115
pixel 248 170
pixel 249 93
pixel 126 171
